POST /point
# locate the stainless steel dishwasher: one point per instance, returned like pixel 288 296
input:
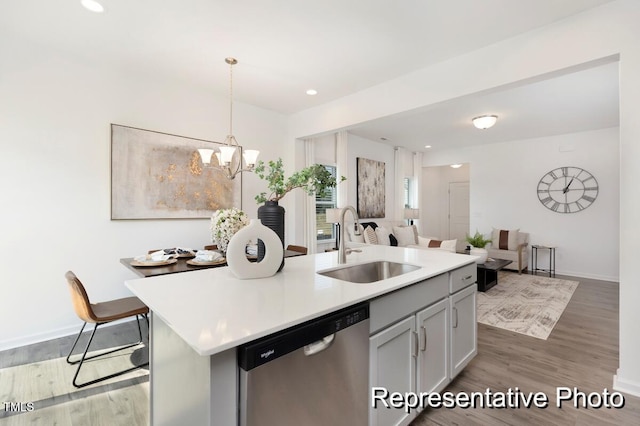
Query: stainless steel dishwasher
pixel 316 373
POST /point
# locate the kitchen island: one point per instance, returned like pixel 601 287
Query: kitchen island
pixel 200 318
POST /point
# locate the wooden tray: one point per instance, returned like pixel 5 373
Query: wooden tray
pixel 213 262
pixel 154 263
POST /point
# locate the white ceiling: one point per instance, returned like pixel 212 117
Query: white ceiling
pixel 580 101
pixel 285 47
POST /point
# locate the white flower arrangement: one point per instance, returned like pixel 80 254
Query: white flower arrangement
pixel 225 223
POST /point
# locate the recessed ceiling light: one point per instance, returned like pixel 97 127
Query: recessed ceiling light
pixel 428 146
pixel 92 5
pixel 456 166
pixel 312 92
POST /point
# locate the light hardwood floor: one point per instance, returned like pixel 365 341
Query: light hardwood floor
pixel 39 374
pixel 582 351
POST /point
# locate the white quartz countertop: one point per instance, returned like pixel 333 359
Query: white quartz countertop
pixel 212 310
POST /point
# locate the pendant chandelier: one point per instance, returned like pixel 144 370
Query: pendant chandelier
pixel 228 156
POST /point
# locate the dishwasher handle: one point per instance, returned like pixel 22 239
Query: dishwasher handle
pixel 319 346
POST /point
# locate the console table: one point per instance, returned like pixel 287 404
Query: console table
pixel 488 273
pixel 552 259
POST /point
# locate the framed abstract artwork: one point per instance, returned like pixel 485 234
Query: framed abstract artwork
pixel 370 188
pixel 160 176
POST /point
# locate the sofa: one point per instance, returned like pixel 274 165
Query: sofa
pixel 510 245
pixel 394 233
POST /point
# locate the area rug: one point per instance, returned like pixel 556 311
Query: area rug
pixel 526 304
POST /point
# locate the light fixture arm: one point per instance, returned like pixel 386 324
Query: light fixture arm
pixel 231 148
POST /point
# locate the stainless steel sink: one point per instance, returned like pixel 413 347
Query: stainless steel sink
pixel 370 272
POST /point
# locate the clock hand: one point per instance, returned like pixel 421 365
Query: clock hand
pixel 566 188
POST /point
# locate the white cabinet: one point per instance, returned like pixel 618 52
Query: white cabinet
pixel 464 328
pixel 410 356
pixel 392 366
pixel 433 355
pixel 425 334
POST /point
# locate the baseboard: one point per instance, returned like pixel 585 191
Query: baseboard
pixel 626 386
pixel 590 276
pixel 50 335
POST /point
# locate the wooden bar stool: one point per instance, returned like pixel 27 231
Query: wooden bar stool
pixel 98 314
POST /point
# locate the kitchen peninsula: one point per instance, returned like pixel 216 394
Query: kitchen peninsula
pixel 200 318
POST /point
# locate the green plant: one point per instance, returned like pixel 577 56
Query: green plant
pixel 478 240
pixel 315 179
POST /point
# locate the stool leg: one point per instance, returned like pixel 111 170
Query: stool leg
pixel 75 343
pixel 84 357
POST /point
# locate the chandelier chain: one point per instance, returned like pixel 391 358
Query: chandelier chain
pixel 231 98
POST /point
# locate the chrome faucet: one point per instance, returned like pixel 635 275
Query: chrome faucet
pixel 342 252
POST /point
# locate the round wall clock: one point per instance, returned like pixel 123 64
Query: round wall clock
pixel 567 189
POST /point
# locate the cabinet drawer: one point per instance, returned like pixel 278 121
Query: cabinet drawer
pixel 462 277
pixel 394 306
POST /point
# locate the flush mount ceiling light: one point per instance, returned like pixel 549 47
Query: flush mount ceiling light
pixel 428 146
pixel 92 5
pixel 485 121
pixel 312 92
pixel 226 153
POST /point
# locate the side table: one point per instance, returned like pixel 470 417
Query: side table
pixel 552 259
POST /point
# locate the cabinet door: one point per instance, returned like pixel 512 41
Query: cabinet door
pixel 392 366
pixel 464 344
pixel 433 355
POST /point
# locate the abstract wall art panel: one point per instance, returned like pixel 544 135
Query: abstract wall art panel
pixel 160 176
pixel 370 193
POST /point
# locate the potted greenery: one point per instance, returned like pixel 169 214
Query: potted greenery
pixel 478 243
pixel 314 179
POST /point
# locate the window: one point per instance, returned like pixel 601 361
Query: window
pixel 408 185
pixel 325 230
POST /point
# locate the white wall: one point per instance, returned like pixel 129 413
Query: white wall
pixel 503 194
pixel 596 35
pixel 55 114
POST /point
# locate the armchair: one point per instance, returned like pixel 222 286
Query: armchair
pixel 510 245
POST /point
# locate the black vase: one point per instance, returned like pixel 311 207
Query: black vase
pixel 272 216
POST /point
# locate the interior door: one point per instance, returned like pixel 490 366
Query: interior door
pixel 459 213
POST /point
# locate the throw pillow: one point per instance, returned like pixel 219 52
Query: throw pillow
pixel 382 234
pixel 370 235
pixel 447 245
pixel 393 240
pixel 505 239
pixel 405 235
